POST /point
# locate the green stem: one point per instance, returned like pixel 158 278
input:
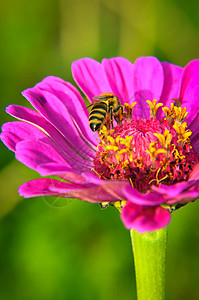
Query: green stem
pixel 149 251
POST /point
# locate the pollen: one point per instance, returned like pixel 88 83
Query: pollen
pixel 147 152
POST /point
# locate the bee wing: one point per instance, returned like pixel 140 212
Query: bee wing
pixel 101 97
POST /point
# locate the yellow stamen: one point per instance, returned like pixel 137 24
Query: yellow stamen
pixel 111 147
pixel 180 114
pixel 153 152
pixel 126 141
pixel 169 113
pixel 131 182
pixel 183 135
pixel 153 107
pixel 165 139
pixel 97 173
pixel 157 179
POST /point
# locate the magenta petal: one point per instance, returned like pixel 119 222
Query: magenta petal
pixel 194 126
pixel 53 168
pixel 144 218
pixel 90 76
pixel 63 171
pixel 35 153
pixel 195 173
pixel 46 186
pixel 73 102
pixel 172 81
pixel 15 132
pixel 122 190
pixel 78 158
pixel 195 142
pixel 189 93
pixel 148 83
pixel 56 113
pixel 190 72
pixel 191 99
pixel 182 192
pixel 149 199
pixel 52 187
pixel 119 73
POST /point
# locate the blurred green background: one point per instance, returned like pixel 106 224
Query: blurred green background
pixel 71 249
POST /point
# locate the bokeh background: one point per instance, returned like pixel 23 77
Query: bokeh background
pixel 60 249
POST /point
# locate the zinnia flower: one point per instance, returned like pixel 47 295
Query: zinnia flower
pixel 146 164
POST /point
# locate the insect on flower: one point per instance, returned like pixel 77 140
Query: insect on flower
pixel 147 165
pixel 108 105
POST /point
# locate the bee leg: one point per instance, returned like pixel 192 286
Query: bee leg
pixel 119 114
pixel 108 122
pixel 111 116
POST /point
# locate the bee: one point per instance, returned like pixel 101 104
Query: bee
pixel 106 104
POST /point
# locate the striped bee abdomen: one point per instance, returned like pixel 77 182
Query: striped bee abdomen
pixel 97 115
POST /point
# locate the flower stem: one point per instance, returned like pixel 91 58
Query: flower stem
pixel 149 251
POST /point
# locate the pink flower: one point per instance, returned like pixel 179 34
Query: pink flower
pixel 149 160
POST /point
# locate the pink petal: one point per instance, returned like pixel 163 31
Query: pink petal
pixel 61 170
pixel 195 142
pixel 149 199
pixel 122 190
pixel 52 187
pixel 15 132
pixel 172 81
pixel 35 153
pixel 144 218
pixel 90 76
pixel 56 113
pixel 73 102
pixel 191 99
pixel 182 192
pixel 195 173
pixel 189 93
pixel 190 72
pixel 194 126
pixel 171 191
pixel 148 83
pixel 119 73
pixel 64 148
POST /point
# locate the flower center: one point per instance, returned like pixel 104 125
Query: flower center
pixel 146 151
